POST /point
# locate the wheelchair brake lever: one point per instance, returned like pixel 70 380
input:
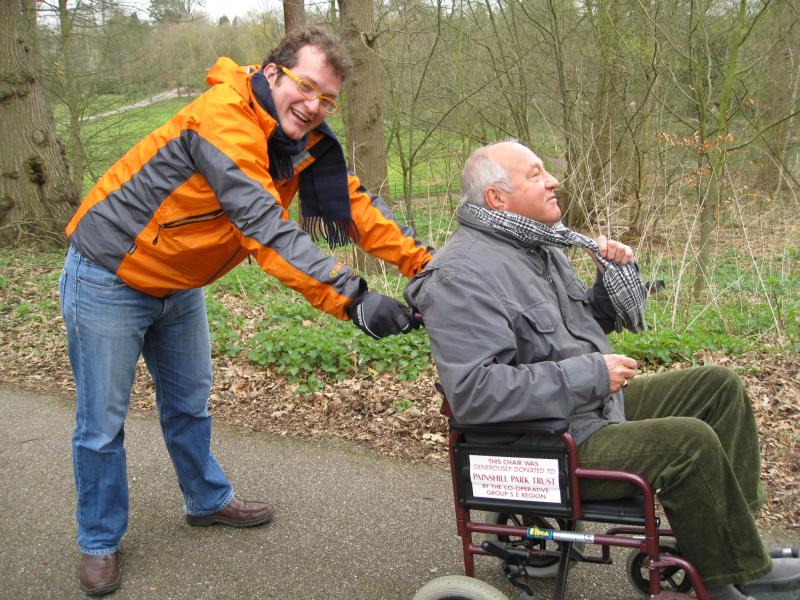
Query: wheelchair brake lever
pixel 512 556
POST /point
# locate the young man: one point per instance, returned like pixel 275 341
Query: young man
pixel 178 211
pixel 517 336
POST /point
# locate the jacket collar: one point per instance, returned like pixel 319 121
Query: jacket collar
pixel 466 219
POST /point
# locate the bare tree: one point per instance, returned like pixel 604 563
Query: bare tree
pixel 777 94
pixel 36 194
pixel 173 10
pixel 364 111
pixel 364 92
pixel 67 73
pixel 415 89
pixel 714 99
pixel 294 15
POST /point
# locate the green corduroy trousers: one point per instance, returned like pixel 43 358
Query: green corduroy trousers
pixel 692 434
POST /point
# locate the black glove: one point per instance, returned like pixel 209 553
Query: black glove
pixel 379 316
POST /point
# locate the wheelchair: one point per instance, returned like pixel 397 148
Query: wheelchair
pixel 531 495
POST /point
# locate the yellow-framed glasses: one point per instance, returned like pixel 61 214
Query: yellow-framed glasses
pixel 310 91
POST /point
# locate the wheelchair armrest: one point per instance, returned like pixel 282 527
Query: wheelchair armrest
pixel 538 426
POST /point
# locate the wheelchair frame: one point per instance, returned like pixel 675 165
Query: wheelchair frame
pixel 635 529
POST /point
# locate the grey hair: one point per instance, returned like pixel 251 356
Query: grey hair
pixel 482 171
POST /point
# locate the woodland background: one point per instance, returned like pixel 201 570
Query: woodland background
pixel 672 124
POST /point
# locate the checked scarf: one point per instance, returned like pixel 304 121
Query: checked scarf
pixel 623 283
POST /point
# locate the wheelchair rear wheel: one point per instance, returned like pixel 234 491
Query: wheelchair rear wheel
pixel 673 579
pixel 458 587
pixel 539 568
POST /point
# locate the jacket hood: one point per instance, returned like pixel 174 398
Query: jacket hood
pixel 227 71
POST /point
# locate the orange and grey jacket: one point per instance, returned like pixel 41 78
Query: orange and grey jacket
pixel 195 197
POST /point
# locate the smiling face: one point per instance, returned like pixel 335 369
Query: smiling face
pixel 297 114
pixel 533 189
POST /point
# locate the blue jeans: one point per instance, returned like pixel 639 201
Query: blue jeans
pixel 108 326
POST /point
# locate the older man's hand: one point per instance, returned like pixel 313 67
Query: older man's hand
pixel 615 251
pixel 612 250
pixel 621 369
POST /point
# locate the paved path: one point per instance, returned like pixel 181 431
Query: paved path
pixel 160 97
pixel 351 524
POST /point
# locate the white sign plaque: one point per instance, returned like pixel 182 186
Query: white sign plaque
pixel 515 478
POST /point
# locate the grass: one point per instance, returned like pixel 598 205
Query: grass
pixel 106 139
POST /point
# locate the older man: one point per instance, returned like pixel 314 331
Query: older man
pixel 517 335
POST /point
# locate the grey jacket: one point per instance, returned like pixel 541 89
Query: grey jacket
pixel 515 334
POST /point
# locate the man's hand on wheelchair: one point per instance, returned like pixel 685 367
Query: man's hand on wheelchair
pixel 621 369
pixel 379 316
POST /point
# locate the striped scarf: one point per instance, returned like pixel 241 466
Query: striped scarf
pixel 623 283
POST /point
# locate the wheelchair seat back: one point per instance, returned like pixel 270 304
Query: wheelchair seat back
pixel 531 480
pixel 513 479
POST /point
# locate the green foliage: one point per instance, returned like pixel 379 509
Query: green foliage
pixel 224 327
pixel 310 348
pixel 666 346
pixel 286 334
pixel 403 404
pixel 252 315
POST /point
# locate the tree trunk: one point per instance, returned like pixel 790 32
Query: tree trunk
pixel 36 195
pixel 724 93
pixel 574 213
pixel 364 114
pixel 294 15
pixel 72 85
pixel 778 93
pixel 31 26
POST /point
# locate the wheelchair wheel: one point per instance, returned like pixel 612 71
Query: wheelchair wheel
pixel 458 587
pixel 673 579
pixel 539 568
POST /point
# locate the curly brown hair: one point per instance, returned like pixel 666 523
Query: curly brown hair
pixel 285 53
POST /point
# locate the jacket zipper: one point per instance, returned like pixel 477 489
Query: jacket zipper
pixel 546 257
pixel 564 310
pixel 209 216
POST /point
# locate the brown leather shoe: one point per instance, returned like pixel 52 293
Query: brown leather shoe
pixel 238 513
pixel 101 574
